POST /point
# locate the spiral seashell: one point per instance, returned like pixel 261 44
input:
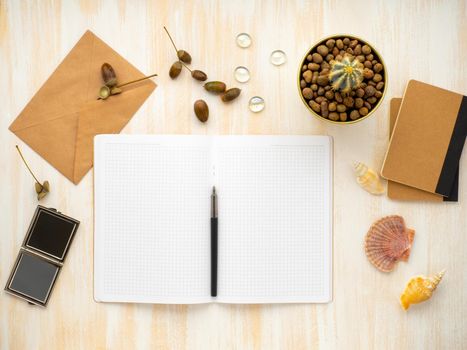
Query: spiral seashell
pixel 419 289
pixel 368 179
pixel 388 241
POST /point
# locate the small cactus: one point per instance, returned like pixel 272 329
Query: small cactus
pixel 346 75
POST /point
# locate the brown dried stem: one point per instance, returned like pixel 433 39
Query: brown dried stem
pixel 137 80
pixel 27 166
pixel 184 65
pixel 171 40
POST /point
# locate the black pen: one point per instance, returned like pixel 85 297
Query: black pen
pixel 213 243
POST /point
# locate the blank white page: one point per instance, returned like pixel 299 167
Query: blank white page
pixel 151 239
pixel 275 218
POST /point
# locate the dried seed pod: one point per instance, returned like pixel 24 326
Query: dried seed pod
pixel 175 70
pixel 230 94
pixel 42 190
pixel 115 90
pixel 215 86
pixel 104 92
pixel 108 75
pixel 201 110
pixel 184 56
pixel 199 75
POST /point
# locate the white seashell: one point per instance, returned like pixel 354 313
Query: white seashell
pixel 368 179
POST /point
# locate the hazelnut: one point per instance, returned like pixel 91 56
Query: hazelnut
pixel 322 50
pixel 354 115
pixel 307 93
pixel 369 91
pixel 338 97
pixel 377 78
pixel 330 43
pixel 323 80
pixel 341 108
pixel 366 49
pixel 357 50
pixel 378 67
pixel 368 73
pixel 363 111
pixel 317 58
pixel 315 106
pixel 358 102
pixel 329 95
pixel 324 109
pixel 348 101
pixel 372 100
pixel 307 76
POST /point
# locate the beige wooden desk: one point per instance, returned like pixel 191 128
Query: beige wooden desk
pixel 425 40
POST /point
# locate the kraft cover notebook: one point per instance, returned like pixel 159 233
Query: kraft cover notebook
pixel 152 218
pixel 428 139
pixel 399 191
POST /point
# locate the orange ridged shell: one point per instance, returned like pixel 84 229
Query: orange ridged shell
pixel 388 240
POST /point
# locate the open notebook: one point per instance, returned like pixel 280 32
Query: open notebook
pixel 152 218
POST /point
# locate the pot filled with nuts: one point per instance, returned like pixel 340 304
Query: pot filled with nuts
pixel 342 79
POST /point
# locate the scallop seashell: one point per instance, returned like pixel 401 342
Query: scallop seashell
pixel 419 289
pixel 388 241
pixel 368 179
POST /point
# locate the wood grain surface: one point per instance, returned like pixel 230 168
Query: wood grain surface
pixel 424 40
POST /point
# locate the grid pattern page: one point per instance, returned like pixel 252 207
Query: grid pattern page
pixel 152 219
pixel 274 219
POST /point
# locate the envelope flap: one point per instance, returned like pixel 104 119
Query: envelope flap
pixel 76 80
pixel 125 71
pixel 106 117
pixel 64 90
pixel 59 150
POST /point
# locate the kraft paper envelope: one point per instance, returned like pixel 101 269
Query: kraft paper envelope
pixel 63 117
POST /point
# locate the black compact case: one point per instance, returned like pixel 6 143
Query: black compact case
pixel 41 256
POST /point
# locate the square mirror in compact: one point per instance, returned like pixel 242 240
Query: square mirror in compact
pixel 41 256
pixel 50 233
